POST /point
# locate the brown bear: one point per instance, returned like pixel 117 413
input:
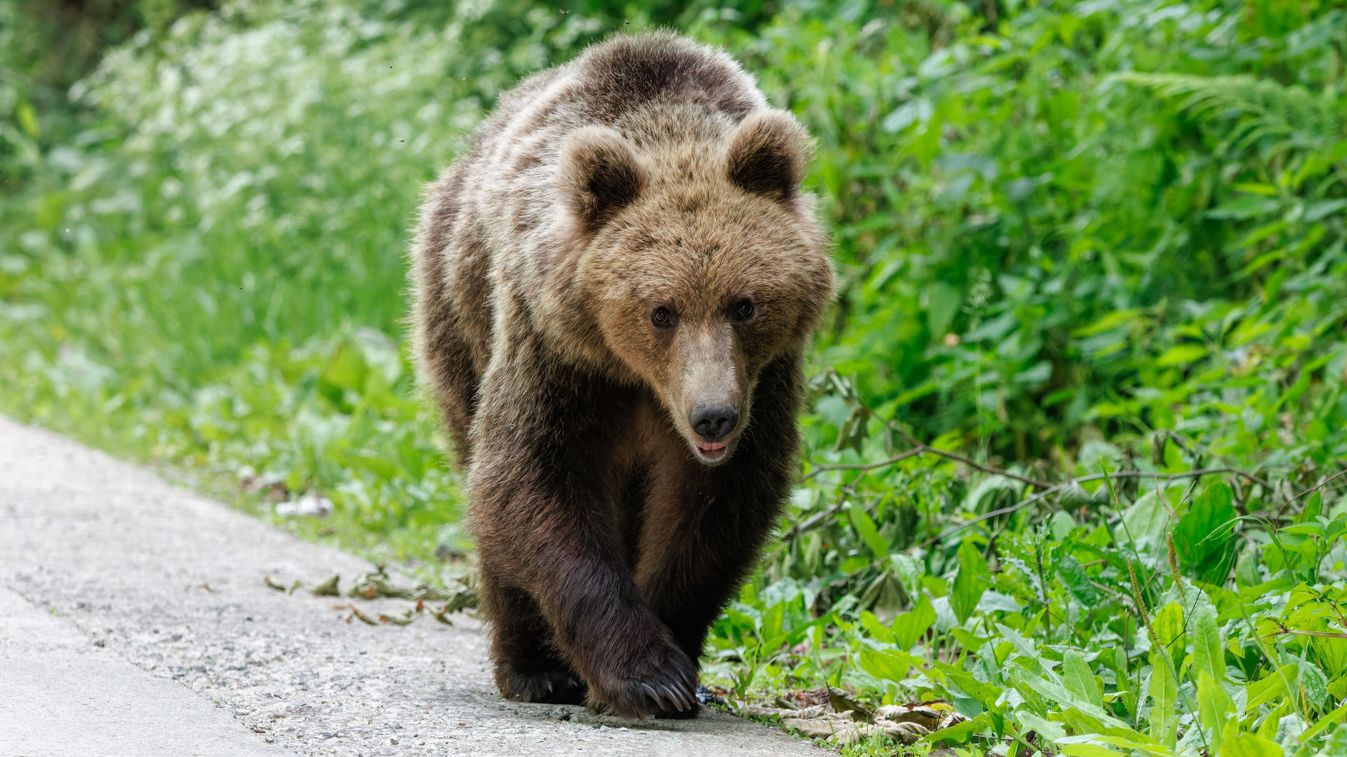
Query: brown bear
pixel 613 288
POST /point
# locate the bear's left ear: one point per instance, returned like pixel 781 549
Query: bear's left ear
pixel 600 174
pixel 768 153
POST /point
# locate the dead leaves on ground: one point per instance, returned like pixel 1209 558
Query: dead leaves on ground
pixel 379 585
pixel 401 619
pixel 826 713
pixel 834 715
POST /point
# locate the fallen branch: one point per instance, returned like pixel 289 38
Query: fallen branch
pixel 1247 476
pixel 1069 483
pixel 1323 484
pixel 1299 632
pixel 820 469
pixel 920 448
pixel 1047 489
pixel 822 515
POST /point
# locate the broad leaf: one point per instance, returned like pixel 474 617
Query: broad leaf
pixel 1208 649
pixel 866 528
pixel 1080 680
pixel 1164 692
pixel 1204 536
pixel 912 625
pixel 1213 706
pixel 1246 744
pixel 886 664
pixel 974 577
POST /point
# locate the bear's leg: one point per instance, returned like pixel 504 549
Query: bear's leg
pixel 558 546
pixel 696 549
pixel 527 665
pixel 703 527
pixel 542 492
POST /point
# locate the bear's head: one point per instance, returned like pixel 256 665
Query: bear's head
pixel 701 263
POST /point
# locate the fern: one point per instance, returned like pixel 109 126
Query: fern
pixel 1284 117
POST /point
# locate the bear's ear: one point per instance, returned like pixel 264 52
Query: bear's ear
pixel 600 174
pixel 767 154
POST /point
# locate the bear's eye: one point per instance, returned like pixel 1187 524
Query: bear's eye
pixel 662 317
pixel 742 310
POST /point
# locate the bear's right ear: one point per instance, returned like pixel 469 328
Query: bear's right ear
pixel 600 174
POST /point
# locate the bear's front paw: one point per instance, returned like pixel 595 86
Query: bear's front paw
pixel 550 687
pixel 651 678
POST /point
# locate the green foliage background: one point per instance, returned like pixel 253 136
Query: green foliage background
pixel 1097 251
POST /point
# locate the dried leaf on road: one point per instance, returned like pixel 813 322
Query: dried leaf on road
pixel 329 588
pixel 356 614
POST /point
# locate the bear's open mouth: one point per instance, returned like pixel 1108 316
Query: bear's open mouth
pixel 711 451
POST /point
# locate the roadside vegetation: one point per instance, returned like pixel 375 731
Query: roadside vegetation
pixel 1076 461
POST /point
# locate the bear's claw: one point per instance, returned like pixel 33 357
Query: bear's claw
pixel 549 687
pixel 660 687
pixel 666 694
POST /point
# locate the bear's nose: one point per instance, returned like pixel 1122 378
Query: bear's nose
pixel 713 422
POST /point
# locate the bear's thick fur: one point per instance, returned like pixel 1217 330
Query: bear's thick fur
pixel 613 288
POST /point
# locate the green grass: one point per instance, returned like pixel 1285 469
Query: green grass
pixel 1075 428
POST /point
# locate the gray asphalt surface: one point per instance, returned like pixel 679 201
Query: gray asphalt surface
pixel 134 620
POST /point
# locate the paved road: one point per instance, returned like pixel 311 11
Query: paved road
pixel 134 621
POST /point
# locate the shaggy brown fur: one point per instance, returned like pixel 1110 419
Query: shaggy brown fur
pixel 613 288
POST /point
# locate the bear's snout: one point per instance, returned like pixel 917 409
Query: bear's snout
pixel 713 421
